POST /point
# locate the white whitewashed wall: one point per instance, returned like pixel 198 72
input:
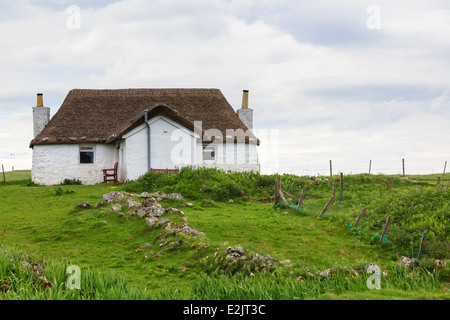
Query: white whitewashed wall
pixel 54 163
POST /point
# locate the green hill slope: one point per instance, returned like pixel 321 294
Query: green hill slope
pixel 173 265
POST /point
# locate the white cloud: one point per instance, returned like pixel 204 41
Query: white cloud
pixel 350 99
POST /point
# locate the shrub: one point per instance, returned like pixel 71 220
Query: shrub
pixel 68 182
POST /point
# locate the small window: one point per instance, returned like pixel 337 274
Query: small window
pixel 209 153
pixel 86 154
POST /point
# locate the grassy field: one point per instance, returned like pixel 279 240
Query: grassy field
pixel 41 222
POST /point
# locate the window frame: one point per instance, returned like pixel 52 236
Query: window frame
pixel 87 149
pixel 214 150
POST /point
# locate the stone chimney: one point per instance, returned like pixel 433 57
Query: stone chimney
pixel 245 113
pixel 41 115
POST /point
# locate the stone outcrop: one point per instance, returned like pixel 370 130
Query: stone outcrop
pixel 153 211
pixel 83 205
pixel 112 197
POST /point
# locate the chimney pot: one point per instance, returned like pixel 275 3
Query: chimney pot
pixel 245 113
pixel 40 100
pixel 245 99
pixel 41 116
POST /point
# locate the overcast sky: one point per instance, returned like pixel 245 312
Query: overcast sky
pixel 348 81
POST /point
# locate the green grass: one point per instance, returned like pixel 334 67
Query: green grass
pixel 51 281
pixel 42 220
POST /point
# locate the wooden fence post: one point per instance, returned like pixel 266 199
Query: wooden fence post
pixel 277 189
pixel 363 211
pixel 403 165
pixel 438 181
pixel 326 207
pixel 342 187
pixel 421 242
pixel 331 170
pixel 445 167
pixel 282 197
pixel 370 166
pixel 389 184
pixel 4 178
pixel 300 200
pixel 388 221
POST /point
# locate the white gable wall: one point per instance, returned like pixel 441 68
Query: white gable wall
pixel 54 163
pixel 164 153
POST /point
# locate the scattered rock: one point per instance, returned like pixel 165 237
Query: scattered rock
pixel 36 268
pixel 235 253
pixel 146 245
pixel 116 207
pixel 121 215
pixel 223 244
pixel 83 205
pixel 189 204
pixel 149 202
pixel 264 261
pixel 187 230
pixel 230 201
pixel 370 265
pixel 138 250
pixel 162 222
pixel 144 195
pixel 405 261
pixel 440 263
pixel 182 268
pixel 112 196
pixel 132 204
pixel 151 221
pixel 164 243
pixel 44 282
pixel 103 221
pixel 174 196
pixel 300 278
pixel 153 211
pixel 351 270
pixel 181 213
pixel 97 204
pixel 178 243
pixel 327 273
pixel 287 261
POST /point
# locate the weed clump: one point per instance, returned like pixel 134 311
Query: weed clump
pixel 71 182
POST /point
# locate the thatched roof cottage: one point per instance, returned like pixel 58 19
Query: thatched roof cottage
pixel 140 130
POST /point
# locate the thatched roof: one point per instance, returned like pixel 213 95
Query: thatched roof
pixel 104 116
